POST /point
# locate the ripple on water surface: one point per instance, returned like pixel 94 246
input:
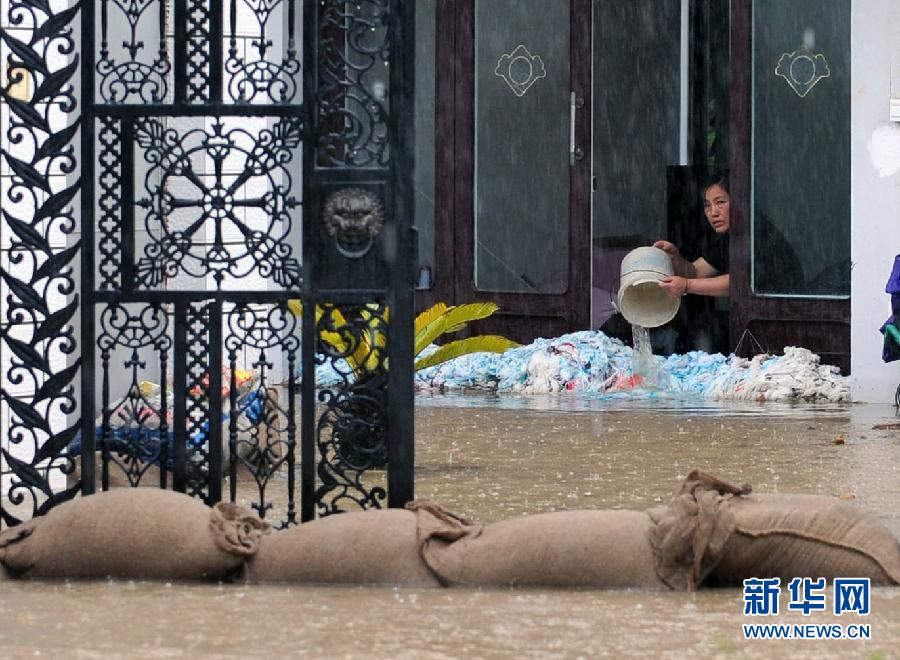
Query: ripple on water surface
pixel 492 458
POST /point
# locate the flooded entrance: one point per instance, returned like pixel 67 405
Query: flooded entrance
pixel 494 458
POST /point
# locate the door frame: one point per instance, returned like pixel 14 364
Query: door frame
pixel 454 179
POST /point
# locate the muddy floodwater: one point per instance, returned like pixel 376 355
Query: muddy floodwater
pixel 491 459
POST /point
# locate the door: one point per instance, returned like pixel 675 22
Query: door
pixel 512 129
pixel 791 104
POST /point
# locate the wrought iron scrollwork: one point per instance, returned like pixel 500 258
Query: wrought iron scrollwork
pixel 261 78
pixel 262 429
pixel 354 217
pixel 38 391
pixel 208 195
pixel 133 81
pixel 352 430
pixel 134 431
pixel 352 85
pixel 248 197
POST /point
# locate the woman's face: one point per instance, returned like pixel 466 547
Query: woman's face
pixel 717 207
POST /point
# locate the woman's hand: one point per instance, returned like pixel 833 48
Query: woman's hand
pixel 681 266
pixel 667 247
pixel 675 286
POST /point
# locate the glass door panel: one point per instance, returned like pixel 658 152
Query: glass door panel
pixel 800 187
pixel 523 145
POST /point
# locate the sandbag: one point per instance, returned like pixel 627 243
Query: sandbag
pixel 689 535
pixel 132 533
pixel 717 534
pixel 814 536
pixel 368 547
pixel 604 549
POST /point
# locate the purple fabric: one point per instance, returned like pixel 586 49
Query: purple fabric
pixel 893 283
pixel 893 288
pixel 891 350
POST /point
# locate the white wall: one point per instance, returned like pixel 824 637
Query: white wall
pixel 875 201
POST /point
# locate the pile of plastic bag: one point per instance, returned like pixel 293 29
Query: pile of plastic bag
pixel 135 418
pixel 590 361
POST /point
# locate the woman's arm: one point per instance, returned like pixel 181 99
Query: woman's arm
pixel 710 286
pixel 680 265
pixel 716 285
pixel 702 268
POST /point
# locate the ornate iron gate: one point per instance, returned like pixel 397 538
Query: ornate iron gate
pixel 217 209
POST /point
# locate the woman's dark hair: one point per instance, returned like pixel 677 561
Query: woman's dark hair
pixel 720 178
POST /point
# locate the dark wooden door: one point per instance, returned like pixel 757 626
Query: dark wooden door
pixel 790 277
pixel 512 171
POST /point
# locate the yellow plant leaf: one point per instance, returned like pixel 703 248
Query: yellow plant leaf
pixel 453 317
pixel 428 316
pixel 368 352
pixel 480 344
pixel 429 325
pixel 334 339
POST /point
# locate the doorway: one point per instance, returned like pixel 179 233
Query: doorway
pixel 661 99
pixel 565 134
pixel 512 166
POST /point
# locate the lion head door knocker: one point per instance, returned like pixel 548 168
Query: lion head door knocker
pixel 354 217
pixel 520 69
pixel 803 68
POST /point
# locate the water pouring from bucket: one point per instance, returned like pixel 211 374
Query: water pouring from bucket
pixel 644 304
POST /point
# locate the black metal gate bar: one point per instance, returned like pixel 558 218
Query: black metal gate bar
pixel 180 25
pixel 215 402
pixel 217 33
pixel 401 456
pixel 308 339
pixel 179 386
pixel 88 329
pixel 127 206
pixel 308 406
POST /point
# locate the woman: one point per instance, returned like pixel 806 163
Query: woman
pixel 707 274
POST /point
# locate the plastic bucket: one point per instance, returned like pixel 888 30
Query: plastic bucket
pixel 641 300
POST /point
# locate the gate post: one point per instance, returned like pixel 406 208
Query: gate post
pixel 359 252
pixel 401 448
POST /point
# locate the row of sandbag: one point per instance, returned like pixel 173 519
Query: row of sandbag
pixel 711 534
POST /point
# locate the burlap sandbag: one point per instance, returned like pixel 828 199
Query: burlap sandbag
pixel 718 534
pixel 132 533
pixel 815 536
pixel 602 549
pixel 369 547
pixel 689 535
